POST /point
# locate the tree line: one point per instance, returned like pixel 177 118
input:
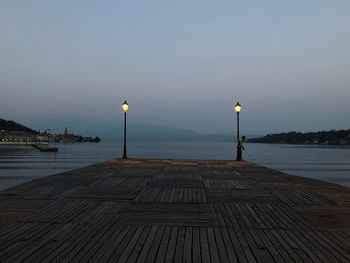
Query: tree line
pixel 333 137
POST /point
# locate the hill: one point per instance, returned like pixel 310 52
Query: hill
pixel 113 130
pixel 14 126
pixel 333 137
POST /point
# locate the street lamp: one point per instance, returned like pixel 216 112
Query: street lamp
pixel 238 108
pixel 125 107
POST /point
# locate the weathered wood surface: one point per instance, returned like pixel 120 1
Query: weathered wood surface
pixel 175 211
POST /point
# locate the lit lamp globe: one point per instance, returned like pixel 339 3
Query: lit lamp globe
pixel 238 107
pixel 125 106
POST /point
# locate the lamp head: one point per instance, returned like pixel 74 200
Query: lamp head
pixel 238 107
pixel 125 106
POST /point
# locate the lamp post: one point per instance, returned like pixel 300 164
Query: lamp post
pixel 238 108
pixel 125 107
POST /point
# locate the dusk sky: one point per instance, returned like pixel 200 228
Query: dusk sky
pixel 178 63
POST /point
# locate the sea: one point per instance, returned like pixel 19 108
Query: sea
pixel 21 163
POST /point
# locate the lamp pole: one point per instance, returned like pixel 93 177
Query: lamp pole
pixel 125 109
pixel 238 108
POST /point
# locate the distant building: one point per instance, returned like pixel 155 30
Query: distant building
pixel 69 138
pixel 21 137
pixel 66 138
pixel 43 138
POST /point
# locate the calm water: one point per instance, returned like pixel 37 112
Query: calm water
pixel 22 163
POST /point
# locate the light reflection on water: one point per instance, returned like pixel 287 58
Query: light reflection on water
pixel 22 163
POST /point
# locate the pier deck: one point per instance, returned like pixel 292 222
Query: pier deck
pixel 143 210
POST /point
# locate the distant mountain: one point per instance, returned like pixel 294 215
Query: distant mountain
pixel 14 126
pixel 113 131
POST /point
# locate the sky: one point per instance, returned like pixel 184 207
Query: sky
pixel 178 63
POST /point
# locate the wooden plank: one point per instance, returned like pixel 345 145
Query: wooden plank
pixel 117 236
pixel 326 248
pixel 68 257
pixel 150 249
pixel 305 255
pixel 164 245
pixel 263 242
pixel 276 245
pixel 220 246
pixel 237 246
pixel 231 255
pixel 144 245
pixel 326 217
pixel 93 246
pixel 187 255
pixel 179 214
pixel 127 242
pixel 286 246
pixel 196 245
pixel 308 247
pixel 341 244
pixel 61 248
pixel 261 255
pixel 214 254
pixel 44 252
pixel 205 253
pixel 179 250
pixel 135 246
pixel 11 248
pixel 28 250
pixel 170 252
pixel 245 246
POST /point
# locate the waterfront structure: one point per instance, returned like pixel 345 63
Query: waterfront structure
pixel 175 211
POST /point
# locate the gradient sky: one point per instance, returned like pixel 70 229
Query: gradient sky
pixel 178 63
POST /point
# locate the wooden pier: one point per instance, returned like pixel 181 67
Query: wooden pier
pixel 143 210
pixel 45 148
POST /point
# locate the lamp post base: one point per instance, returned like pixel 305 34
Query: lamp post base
pixel 239 153
pixel 124 153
